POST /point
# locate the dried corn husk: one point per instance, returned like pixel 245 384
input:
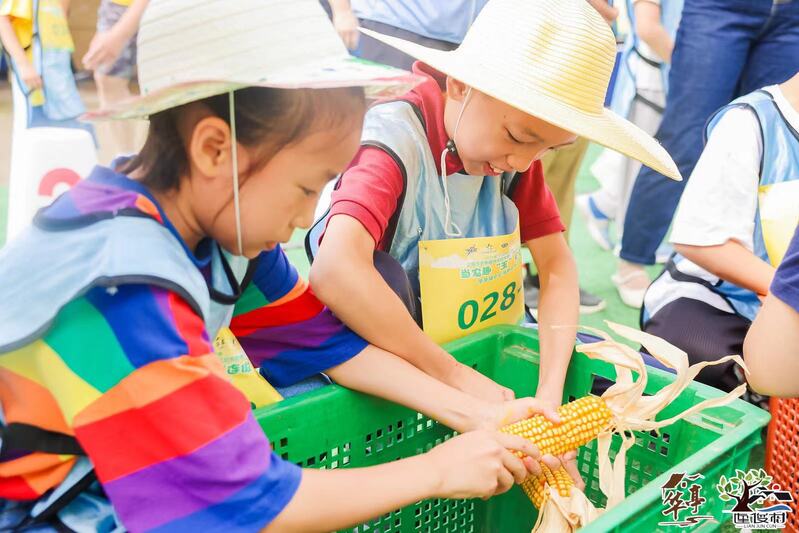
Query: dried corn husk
pixel 631 411
pixel 560 513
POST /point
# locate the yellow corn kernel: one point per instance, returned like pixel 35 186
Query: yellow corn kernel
pixel 581 422
pixel 534 486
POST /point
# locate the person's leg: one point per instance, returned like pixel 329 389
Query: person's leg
pixel 609 170
pixel 113 85
pixel 648 119
pixel 775 55
pixel 118 138
pixel 560 172
pixel 705 333
pixel 710 52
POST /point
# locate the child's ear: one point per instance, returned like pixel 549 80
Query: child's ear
pixel 456 89
pixel 209 147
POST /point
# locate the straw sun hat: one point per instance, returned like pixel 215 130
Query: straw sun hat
pixel 189 50
pixel 551 59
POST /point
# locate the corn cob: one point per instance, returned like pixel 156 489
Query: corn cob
pixel 534 486
pixel 581 422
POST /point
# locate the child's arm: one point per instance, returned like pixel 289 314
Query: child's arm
pixel 731 262
pixel 26 72
pixel 343 276
pixel 290 335
pixel 770 349
pixel 176 446
pixel 474 465
pixel 379 373
pixel 106 46
pixel 608 12
pixel 718 207
pixel 651 31
pixel 773 339
pixel 558 312
pixel 345 22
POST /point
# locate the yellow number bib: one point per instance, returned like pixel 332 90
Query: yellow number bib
pixel 470 284
pixel 237 365
pixel 779 215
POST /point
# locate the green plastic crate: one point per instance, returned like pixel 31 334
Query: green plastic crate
pixel 334 427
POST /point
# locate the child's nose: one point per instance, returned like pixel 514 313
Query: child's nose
pixel 306 217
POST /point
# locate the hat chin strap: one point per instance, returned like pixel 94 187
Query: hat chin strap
pixel 235 157
pixel 451 147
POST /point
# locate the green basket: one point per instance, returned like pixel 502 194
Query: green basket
pixel 334 427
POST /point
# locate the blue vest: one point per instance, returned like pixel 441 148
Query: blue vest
pixel 55 262
pixel 778 163
pixel 624 89
pixel 62 102
pixel 480 205
pixel 47 267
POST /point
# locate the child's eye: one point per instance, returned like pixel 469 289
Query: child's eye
pixel 307 192
pixel 511 137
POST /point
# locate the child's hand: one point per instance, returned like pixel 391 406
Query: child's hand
pixel 479 464
pixel 494 416
pixel 104 49
pixel 346 25
pixel 467 379
pixel 29 76
pixel 509 412
pixel 569 462
pixel 608 12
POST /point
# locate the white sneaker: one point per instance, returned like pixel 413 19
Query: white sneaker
pixel 598 223
pixel 632 286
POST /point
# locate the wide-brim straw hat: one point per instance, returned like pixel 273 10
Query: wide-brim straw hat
pixel 189 50
pixel 551 59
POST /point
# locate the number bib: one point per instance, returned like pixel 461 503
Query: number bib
pixel 470 284
pixel 238 367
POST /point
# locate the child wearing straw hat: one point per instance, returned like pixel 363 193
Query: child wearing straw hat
pixel 112 298
pixel 447 183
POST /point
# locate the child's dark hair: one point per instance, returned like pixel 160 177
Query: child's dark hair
pixel 266 120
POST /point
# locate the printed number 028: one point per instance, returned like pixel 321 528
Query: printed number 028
pixel 469 311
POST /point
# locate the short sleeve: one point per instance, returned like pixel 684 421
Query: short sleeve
pixel 369 191
pixel 538 212
pixel 173 442
pixel 720 199
pixel 785 285
pixel 284 329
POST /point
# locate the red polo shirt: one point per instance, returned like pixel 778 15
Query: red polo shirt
pixel 371 187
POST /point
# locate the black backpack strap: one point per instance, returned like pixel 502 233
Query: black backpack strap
pixel 509 184
pixel 19 436
pixel 315 233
